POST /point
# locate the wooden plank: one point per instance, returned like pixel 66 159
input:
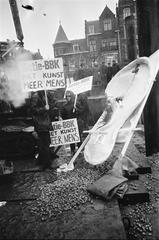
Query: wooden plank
pixel 144 170
pixel 136 193
pixel 147 20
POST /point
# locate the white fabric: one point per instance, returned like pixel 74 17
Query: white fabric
pixel 133 88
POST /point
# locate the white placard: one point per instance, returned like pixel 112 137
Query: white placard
pixel 64 132
pixel 42 74
pixel 82 85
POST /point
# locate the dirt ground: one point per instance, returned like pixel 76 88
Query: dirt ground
pixel 47 205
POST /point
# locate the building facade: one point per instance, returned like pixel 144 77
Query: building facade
pixel 111 37
pixel 99 44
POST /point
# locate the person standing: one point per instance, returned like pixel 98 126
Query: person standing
pixel 72 110
pixel 82 112
pixel 80 73
pixel 109 72
pixel 115 68
pixel 96 75
pixel 53 114
pixel 68 112
pixel 103 73
pixel 42 125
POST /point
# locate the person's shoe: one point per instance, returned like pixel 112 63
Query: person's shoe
pixel 54 165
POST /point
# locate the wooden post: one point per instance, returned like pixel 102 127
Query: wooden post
pixel 46 99
pixel 75 101
pixel 148 40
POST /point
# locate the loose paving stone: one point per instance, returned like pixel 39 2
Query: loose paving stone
pixel 38 220
pixel 136 193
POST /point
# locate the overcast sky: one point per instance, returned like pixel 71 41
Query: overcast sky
pixel 40 26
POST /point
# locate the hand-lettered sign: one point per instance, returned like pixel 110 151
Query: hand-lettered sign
pixel 64 132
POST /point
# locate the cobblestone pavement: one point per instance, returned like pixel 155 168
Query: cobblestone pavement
pixel 141 217
pixel 40 205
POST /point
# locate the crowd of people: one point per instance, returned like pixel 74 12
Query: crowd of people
pixel 101 73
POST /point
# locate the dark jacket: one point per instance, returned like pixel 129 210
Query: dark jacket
pixel 53 106
pixel 109 73
pixel 39 113
pixel 82 109
pixel 67 111
pixel 115 68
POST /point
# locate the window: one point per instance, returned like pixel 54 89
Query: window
pixel 59 51
pixel 113 44
pixel 92 45
pixel 72 65
pixel 56 53
pixel 126 12
pixel 76 48
pixel 109 44
pixel 107 24
pixel 104 43
pixel 109 57
pixel 91 29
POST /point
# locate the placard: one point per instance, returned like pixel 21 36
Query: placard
pixel 42 74
pixel 64 132
pixel 82 85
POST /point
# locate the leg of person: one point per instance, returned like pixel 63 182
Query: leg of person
pixel 72 146
pixel 80 127
pixel 79 144
pixel 39 152
pixel 52 153
pixel 44 151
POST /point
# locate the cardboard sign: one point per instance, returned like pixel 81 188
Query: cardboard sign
pixel 64 132
pixel 42 74
pixel 82 85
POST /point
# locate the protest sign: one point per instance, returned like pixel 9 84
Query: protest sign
pixel 64 132
pixel 42 74
pixel 82 85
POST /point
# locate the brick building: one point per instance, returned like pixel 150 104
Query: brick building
pixel 99 44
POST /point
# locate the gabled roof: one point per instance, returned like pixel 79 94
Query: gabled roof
pixel 61 36
pixel 107 13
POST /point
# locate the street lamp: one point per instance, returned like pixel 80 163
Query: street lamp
pixel 119 46
pixel 135 28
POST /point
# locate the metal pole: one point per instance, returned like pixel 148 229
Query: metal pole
pixel 119 47
pixel 135 30
pixel 16 19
